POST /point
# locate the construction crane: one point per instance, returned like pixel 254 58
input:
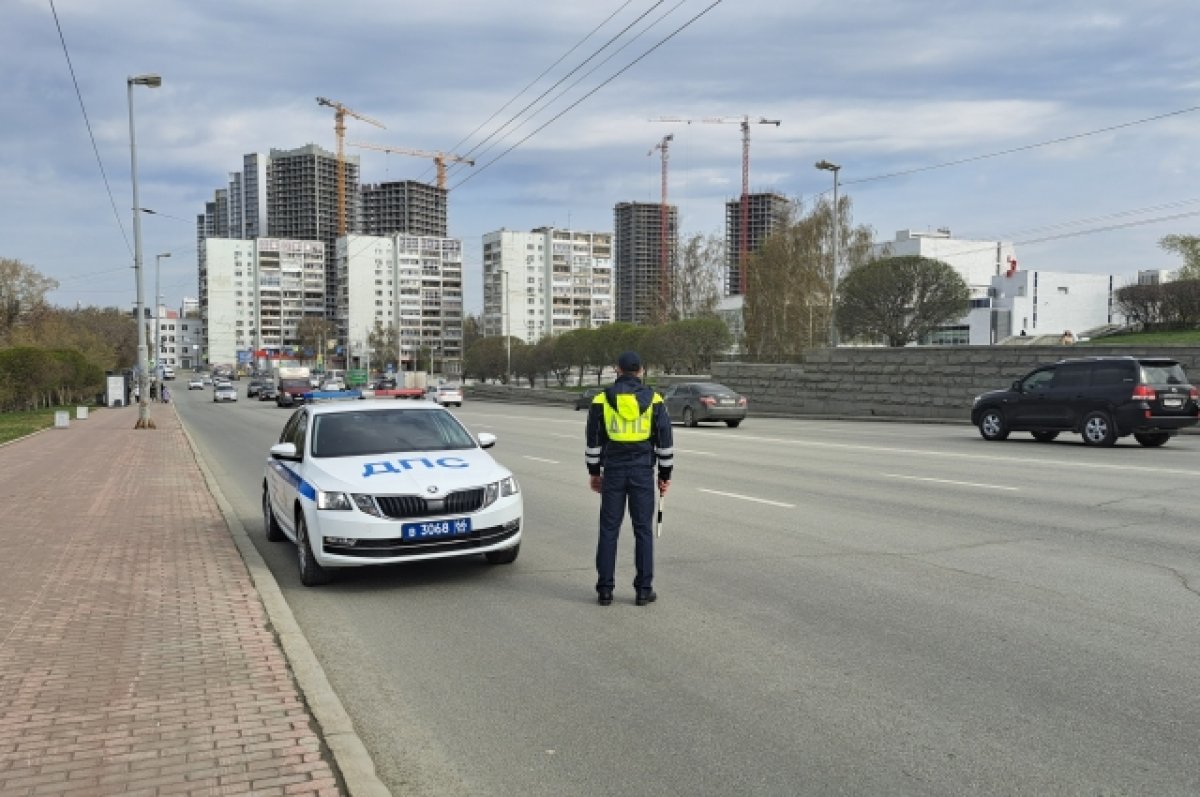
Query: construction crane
pixel 439 158
pixel 664 292
pixel 339 127
pixel 744 231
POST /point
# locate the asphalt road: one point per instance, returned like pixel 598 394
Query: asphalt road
pixel 845 608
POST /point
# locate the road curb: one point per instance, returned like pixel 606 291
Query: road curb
pixel 353 762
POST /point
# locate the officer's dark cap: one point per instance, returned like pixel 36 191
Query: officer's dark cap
pixel 629 362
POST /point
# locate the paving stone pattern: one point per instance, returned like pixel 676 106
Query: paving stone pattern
pixel 135 655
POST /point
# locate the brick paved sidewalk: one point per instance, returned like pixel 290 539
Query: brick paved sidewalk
pixel 135 655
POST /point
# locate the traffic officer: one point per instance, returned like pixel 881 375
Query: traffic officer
pixel 628 431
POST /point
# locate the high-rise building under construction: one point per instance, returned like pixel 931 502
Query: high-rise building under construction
pixel 766 213
pixel 642 289
pixel 405 206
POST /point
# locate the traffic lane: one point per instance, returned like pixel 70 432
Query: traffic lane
pixel 570 577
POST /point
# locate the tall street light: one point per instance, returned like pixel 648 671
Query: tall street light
pixel 144 421
pixel 157 320
pixel 825 165
pixel 507 332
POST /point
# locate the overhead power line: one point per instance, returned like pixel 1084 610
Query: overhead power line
pixel 87 122
pixel 604 83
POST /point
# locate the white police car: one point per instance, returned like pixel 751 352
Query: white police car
pixel 366 482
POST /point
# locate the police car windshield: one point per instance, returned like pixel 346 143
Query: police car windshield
pixel 368 433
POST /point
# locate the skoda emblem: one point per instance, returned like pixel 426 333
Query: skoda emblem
pixel 431 490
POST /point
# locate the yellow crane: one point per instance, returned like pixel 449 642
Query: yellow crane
pixel 339 127
pixel 439 158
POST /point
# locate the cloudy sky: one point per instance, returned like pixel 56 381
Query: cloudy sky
pixel 1071 128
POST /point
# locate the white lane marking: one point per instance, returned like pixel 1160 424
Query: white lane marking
pixel 540 459
pixel 792 441
pixel 950 481
pixel 696 453
pixel 748 498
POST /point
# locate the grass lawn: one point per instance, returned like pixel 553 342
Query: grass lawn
pixel 19 424
pixel 1184 337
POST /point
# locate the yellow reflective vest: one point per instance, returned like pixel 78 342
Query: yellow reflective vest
pixel 623 423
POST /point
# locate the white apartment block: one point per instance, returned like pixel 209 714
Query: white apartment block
pixel 257 293
pixel 409 284
pixel 546 282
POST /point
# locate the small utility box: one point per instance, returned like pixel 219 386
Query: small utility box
pixel 81 413
pixel 62 419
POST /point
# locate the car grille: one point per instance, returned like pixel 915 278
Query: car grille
pixel 410 506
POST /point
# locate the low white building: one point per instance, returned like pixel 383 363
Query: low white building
pixel 412 285
pixel 546 282
pixel 1045 303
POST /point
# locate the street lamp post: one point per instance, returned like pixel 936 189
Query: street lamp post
pixel 157 319
pixel 507 331
pixel 825 165
pixel 144 421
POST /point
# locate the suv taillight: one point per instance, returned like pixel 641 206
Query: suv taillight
pixel 1194 395
pixel 1144 392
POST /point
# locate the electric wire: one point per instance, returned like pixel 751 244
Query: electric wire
pixel 87 122
pixel 604 83
pixel 534 82
pixel 589 73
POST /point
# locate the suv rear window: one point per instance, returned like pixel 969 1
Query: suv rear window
pixel 1112 373
pixel 1163 373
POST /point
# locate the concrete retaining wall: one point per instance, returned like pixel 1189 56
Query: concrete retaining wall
pixel 933 383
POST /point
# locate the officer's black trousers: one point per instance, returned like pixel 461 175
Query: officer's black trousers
pixel 634 485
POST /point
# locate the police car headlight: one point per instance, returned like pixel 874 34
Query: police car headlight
pixel 327 500
pixel 367 504
pixel 501 489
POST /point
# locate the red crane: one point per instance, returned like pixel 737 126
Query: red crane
pixel 664 271
pixel 744 231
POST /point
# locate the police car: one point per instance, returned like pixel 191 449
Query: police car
pixel 367 482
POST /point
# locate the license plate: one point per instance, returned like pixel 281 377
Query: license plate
pixel 1172 402
pixel 435 529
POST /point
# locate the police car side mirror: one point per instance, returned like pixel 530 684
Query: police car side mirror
pixel 284 451
pixel 486 439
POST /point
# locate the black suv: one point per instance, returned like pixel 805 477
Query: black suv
pixel 1101 398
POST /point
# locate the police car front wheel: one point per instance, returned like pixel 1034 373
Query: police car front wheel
pixel 270 524
pixel 312 574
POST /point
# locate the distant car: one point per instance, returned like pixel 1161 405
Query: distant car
pixel 446 395
pixel 584 399
pixel 195 383
pixel 253 386
pixel 268 392
pixel 333 385
pixel 1100 398
pixel 691 403
pixel 206 379
pixel 225 392
pixel 384 384
pixel 376 482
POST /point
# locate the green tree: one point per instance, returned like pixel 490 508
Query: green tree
pixel 574 349
pixel 900 299
pixel 706 340
pixel 22 293
pixel 485 360
pixel 790 280
pixel 1187 247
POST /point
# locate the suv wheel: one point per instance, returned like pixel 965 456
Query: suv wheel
pixel 992 426
pixel 1151 439
pixel 1044 437
pixel 1098 429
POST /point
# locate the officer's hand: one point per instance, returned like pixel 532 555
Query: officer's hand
pixel 663 484
pixel 597 483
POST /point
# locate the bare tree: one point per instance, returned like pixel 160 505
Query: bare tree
pixel 697 284
pixel 1187 247
pixel 22 293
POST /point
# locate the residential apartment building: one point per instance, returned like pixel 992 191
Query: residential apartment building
pixel 258 293
pixel 405 206
pixel 411 287
pixel 642 291
pixel 546 282
pixel 765 213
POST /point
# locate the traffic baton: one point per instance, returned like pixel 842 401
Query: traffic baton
pixel 662 499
